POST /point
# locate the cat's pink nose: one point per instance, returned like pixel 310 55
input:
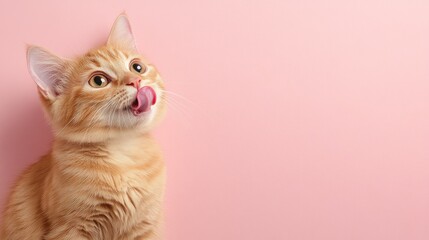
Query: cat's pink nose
pixel 135 82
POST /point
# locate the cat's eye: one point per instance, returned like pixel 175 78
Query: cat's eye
pixel 98 81
pixel 137 66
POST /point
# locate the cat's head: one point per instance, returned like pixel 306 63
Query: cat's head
pixel 109 92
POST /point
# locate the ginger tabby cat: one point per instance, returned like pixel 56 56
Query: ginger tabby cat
pixel 104 176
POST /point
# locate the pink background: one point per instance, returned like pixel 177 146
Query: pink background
pixel 303 120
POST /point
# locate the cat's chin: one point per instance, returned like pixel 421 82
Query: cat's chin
pixel 130 118
pixel 136 113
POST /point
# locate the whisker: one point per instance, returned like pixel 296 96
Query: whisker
pixel 179 105
pixel 92 121
pixel 62 129
pixel 107 105
pixel 183 114
pixel 178 100
pixel 177 95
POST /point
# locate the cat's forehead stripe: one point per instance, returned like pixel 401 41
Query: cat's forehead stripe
pixel 109 60
pixel 95 62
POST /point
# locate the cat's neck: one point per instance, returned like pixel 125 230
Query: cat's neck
pixel 97 135
pixel 117 139
pixel 115 150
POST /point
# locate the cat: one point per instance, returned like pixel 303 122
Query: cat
pixel 104 176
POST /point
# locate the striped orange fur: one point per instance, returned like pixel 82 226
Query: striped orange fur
pixel 104 176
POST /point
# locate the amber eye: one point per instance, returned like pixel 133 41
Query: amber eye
pixel 137 67
pixel 98 81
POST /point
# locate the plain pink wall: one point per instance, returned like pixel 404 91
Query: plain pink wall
pixel 304 120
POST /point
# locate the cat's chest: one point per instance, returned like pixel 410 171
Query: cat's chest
pixel 133 175
pixel 130 200
pixel 139 184
pixel 127 179
pixel 129 193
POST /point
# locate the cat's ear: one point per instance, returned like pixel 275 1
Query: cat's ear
pixel 121 34
pixel 47 71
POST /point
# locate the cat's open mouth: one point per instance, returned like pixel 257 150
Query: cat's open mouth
pixel 145 99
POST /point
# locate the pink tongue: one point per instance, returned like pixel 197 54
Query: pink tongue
pixel 146 97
